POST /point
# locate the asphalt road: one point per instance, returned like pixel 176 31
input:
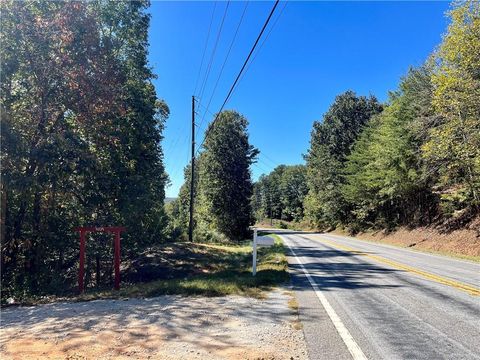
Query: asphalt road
pixel 364 300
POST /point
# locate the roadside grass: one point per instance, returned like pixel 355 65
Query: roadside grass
pixel 219 269
pixel 283 224
pixel 204 269
pixel 293 304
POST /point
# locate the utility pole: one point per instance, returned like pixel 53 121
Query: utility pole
pixel 271 205
pixel 190 225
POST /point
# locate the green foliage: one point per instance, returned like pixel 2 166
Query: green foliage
pixel 225 186
pixel 330 145
pixel 280 194
pixel 222 188
pixel 452 149
pixel 386 184
pixel 197 269
pixel 81 131
pixel 180 207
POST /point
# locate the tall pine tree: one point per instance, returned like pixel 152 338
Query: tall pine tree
pixel 330 144
pixel 225 184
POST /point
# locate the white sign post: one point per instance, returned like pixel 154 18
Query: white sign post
pixel 254 267
pixel 262 241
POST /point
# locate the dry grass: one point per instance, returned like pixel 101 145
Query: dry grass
pixel 297 325
pixel 193 269
pixel 217 270
pixel 293 304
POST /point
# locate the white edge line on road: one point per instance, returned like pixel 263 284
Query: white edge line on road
pixel 347 338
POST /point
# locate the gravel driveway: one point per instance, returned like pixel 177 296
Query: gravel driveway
pixel 166 327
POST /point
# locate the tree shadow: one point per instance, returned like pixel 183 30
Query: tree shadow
pixel 337 269
pixel 199 321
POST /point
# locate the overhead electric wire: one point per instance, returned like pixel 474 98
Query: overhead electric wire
pixel 205 47
pixel 206 109
pixel 199 126
pixel 177 138
pixel 178 165
pixel 207 73
pixel 258 166
pixel 243 67
pixel 269 159
pixel 266 164
pixel 265 39
pixel 225 61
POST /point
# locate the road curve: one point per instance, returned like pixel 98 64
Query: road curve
pixel 365 300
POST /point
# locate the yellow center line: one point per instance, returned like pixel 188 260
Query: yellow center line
pixel 458 285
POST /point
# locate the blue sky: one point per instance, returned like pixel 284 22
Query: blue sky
pixel 315 51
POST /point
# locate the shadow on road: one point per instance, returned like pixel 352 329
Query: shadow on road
pixel 337 269
pixel 288 232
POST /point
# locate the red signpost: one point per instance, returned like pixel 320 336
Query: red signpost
pixel 111 229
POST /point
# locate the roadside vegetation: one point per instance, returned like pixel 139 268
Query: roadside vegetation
pixel 208 269
pixel 413 161
pixel 81 132
pixel 214 270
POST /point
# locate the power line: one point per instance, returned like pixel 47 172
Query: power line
pixel 192 177
pixel 205 47
pixel 205 111
pixel 261 168
pixel 265 39
pixel 225 61
pixel 174 142
pixel 205 108
pixel 243 68
pixel 182 154
pixel 266 164
pixel 269 159
pixel 207 73
pixel 179 165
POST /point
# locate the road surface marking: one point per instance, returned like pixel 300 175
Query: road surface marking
pixel 458 285
pixel 352 346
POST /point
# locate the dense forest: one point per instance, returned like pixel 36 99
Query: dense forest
pixel 414 160
pixel 80 139
pixel 280 194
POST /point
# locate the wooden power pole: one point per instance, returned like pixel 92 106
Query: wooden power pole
pixel 192 178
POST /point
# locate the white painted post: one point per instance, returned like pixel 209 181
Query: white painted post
pixel 254 267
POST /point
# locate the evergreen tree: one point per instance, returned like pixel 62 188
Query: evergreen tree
pixel 330 144
pixel 386 183
pixel 225 186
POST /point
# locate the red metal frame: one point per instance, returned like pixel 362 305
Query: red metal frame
pixel 110 229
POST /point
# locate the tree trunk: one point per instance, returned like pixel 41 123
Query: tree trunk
pixel 97 274
pixel 34 252
pixel 3 223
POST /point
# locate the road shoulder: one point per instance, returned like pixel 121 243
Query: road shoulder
pixel 165 327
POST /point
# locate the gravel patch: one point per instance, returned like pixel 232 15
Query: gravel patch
pixel 165 327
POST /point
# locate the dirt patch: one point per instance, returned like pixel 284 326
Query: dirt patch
pixel 166 327
pixel 461 243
